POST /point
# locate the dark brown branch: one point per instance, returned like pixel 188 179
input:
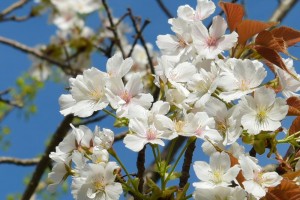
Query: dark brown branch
pixel 141 168
pixel 13 7
pixel 57 137
pixel 17 18
pixel 35 52
pixel 113 28
pixel 120 136
pixel 164 8
pixel 19 161
pixel 188 158
pixel 90 121
pixel 137 37
pixel 140 36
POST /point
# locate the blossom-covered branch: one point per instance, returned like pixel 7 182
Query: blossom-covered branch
pixel 57 137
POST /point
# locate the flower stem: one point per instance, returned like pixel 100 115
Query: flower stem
pixel 110 113
pixel 113 153
pixel 191 139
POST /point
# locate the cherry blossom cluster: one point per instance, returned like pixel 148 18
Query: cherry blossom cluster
pixel 83 154
pixel 204 93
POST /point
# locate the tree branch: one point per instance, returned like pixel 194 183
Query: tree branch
pixel 164 8
pixel 140 163
pixel 57 137
pixel 282 10
pixel 113 28
pixel 142 39
pixel 35 52
pixel 13 7
pixel 19 161
pixel 188 158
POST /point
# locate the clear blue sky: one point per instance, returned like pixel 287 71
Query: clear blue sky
pixel 28 137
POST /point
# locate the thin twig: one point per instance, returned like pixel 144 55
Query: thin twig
pixel 139 33
pixel 282 10
pixel 13 7
pixel 120 136
pixel 113 28
pixel 164 8
pixel 57 137
pixel 136 38
pixel 90 121
pixel 34 52
pixel 16 18
pixel 19 161
pixel 10 103
pixel 188 157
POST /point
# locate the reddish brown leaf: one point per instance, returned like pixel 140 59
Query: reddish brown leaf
pixel 248 28
pixel 273 57
pixel 294 101
pixel 294 106
pixel 234 161
pixel 289 35
pixel 266 39
pixel 286 190
pixel 293 111
pixel 295 127
pixel 291 175
pixel 234 14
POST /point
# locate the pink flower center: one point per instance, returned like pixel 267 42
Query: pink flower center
pixel 211 41
pixel 199 131
pixel 197 16
pixel 126 97
pixel 151 134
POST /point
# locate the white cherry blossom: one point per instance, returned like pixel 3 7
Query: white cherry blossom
pixel 213 42
pixel 87 94
pixel 203 10
pixel 97 182
pixel 144 132
pixel 220 193
pixel 263 112
pixel 122 97
pixel 240 77
pixel 289 85
pixel 217 173
pixel 116 66
pixel 257 181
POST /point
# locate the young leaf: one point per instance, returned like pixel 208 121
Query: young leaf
pixel 234 14
pixel 294 106
pixel 266 39
pixel 292 175
pixel 248 28
pixel 289 35
pixel 273 57
pixel 295 127
pixel 287 189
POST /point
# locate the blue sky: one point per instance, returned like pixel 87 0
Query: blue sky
pixel 28 137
